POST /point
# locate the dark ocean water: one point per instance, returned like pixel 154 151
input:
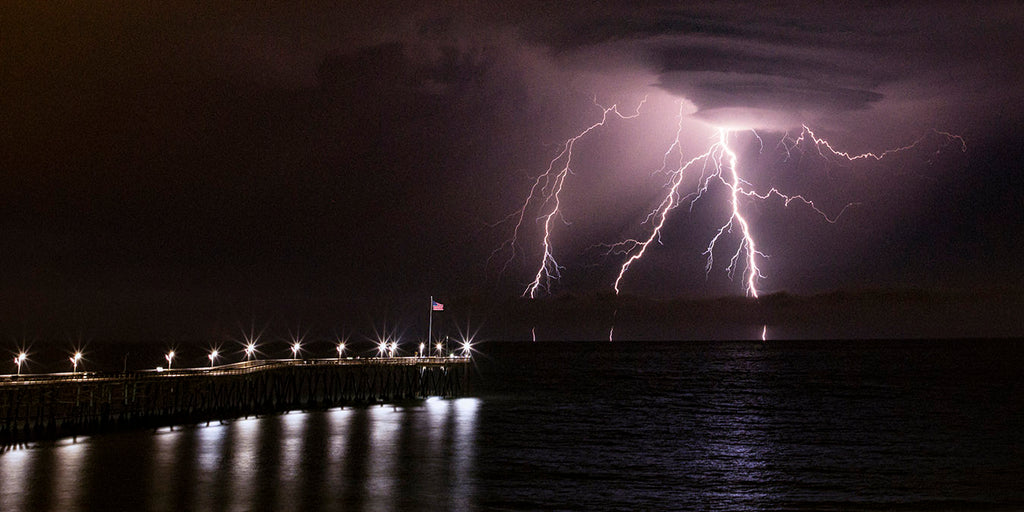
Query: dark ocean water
pixel 869 425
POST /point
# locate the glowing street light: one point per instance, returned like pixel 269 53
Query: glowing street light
pixel 341 348
pixel 466 347
pixel 295 349
pixel 213 356
pixel 422 346
pixel 19 360
pixel 170 358
pixel 440 349
pixel 250 350
pixel 383 347
pixel 392 348
pixel 74 361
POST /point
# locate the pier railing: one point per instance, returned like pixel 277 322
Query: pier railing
pixel 38 406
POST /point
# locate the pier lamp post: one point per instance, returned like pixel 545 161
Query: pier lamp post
pixel 466 346
pixel 19 360
pixel 341 349
pixel 213 356
pixel 295 349
pixel 422 346
pixel 170 358
pixel 440 349
pixel 392 348
pixel 74 361
pixel 250 350
pixel 383 347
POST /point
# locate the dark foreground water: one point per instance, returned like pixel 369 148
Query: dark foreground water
pixel 920 425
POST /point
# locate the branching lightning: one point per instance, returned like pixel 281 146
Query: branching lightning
pixel 721 164
pixel 819 143
pixel 718 166
pixel 547 190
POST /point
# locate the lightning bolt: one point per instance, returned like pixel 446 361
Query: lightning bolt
pixel 747 247
pixel 718 166
pixel 820 143
pixel 721 164
pixel 547 190
pixel 718 163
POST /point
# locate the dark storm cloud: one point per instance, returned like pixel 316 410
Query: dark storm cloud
pixel 716 60
pixel 710 91
pixel 814 62
pixel 756 76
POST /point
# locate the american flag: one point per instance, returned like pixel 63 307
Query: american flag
pixel 436 306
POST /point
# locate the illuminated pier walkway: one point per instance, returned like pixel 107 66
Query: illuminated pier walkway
pixel 44 406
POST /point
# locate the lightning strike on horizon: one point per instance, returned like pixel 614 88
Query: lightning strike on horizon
pixel 718 165
pixel 718 158
pixel 548 188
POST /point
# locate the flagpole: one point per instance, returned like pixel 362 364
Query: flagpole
pixel 430 324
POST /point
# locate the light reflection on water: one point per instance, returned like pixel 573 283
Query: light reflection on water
pixel 339 420
pixel 163 469
pixel 735 442
pixel 381 476
pixel 289 470
pixel 46 479
pixel 377 458
pixel 246 453
pixel 14 472
pixel 464 453
pixel 72 461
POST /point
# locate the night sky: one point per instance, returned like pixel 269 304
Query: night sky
pixel 197 166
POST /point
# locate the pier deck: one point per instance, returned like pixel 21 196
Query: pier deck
pixel 58 405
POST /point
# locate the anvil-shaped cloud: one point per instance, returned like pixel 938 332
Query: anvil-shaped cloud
pixel 788 63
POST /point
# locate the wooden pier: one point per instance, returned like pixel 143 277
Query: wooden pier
pixel 48 406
